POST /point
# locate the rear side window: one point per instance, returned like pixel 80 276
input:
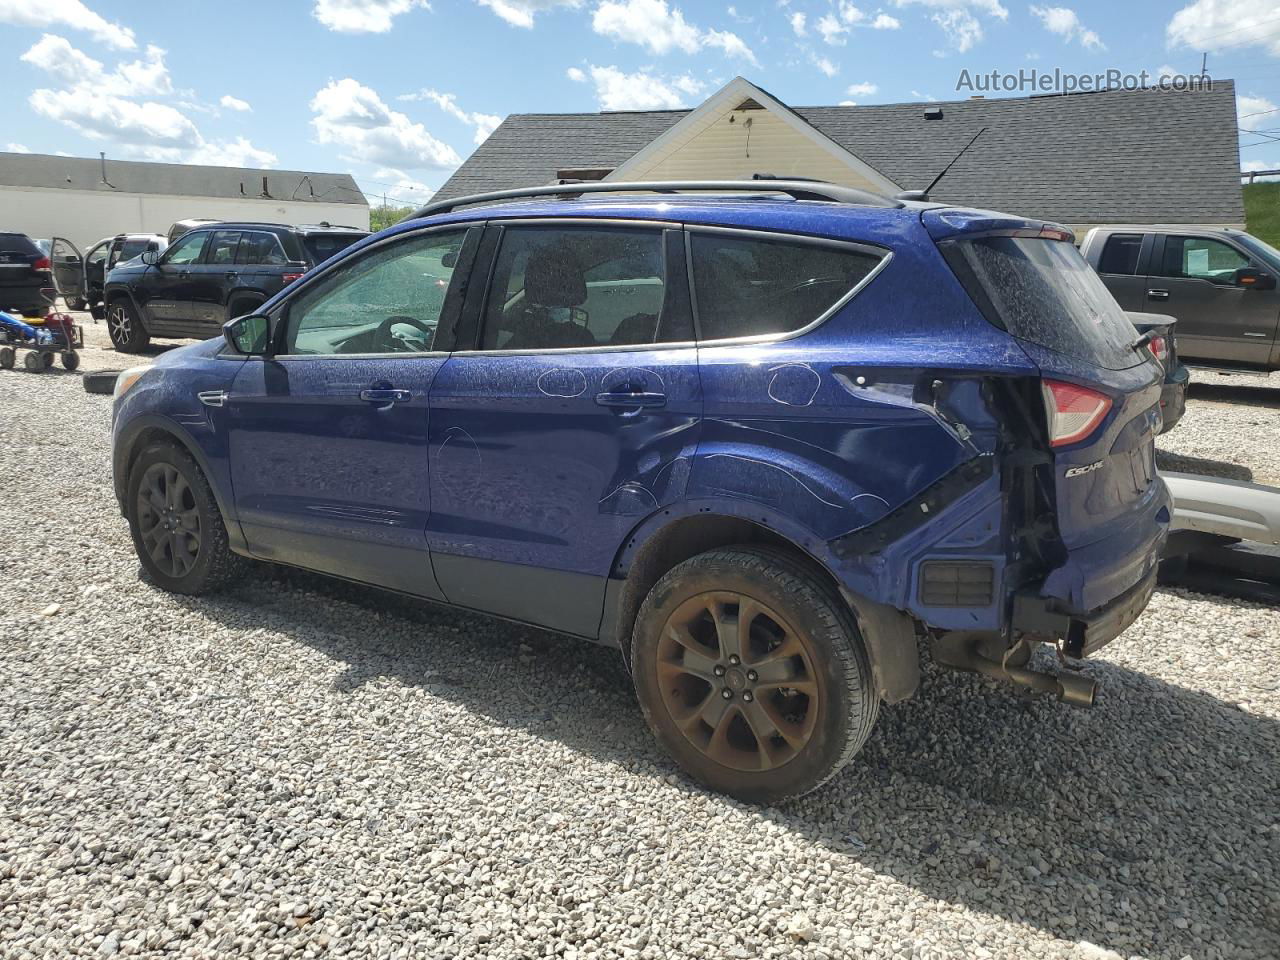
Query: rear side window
pixel 1044 292
pixel 322 246
pixel 1199 258
pixel 1120 255
pixel 263 249
pixel 747 287
pixel 564 287
pixel 18 243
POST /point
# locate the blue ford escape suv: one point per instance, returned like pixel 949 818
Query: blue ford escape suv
pixel 761 437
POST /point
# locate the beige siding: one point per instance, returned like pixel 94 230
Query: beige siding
pixel 722 151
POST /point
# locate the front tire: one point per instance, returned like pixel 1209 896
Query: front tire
pixel 177 528
pixel 751 672
pixel 125 329
pixel 34 362
pixel 7 357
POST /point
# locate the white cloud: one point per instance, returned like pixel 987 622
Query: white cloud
pixel 848 103
pixel 55 55
pixel 234 103
pixel 825 65
pixel 483 123
pixel 234 153
pixel 363 16
pixel 617 90
pixel 958 20
pixel 66 13
pixel 832 30
pixel 991 7
pixel 353 117
pixel 576 75
pixel 1224 25
pixel 924 96
pixel 1064 22
pixel 661 28
pixel 885 22
pixel 521 13
pixel 1255 112
pixel 17 148
pixel 836 25
pixel 798 21
pixel 398 186
pixel 99 116
pixel 862 89
pixel 1262 165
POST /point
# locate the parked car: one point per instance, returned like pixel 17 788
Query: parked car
pixel 211 274
pixel 759 443
pixel 1219 283
pixel 1160 329
pixel 26 286
pixel 179 227
pixel 81 280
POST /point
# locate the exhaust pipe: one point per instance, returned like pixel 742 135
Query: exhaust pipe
pixel 1067 687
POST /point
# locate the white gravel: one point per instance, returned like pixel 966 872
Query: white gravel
pixel 302 768
pixel 1230 428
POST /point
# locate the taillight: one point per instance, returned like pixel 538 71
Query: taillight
pixel 1073 411
pixel 1159 348
pixel 288 278
pixel 41 264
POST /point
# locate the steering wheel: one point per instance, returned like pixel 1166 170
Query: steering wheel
pixel 383 337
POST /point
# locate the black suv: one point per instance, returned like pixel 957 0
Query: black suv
pixel 26 283
pixel 211 275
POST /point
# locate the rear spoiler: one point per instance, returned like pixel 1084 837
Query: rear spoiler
pixel 1151 321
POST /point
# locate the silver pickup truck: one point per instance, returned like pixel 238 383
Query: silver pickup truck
pixel 1219 283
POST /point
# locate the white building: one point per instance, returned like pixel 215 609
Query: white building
pixel 86 199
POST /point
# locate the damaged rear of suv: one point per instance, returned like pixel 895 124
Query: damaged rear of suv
pixel 763 438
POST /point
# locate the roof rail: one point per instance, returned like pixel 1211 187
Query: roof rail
pixel 797 189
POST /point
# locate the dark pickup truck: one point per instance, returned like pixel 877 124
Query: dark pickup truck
pixel 1220 285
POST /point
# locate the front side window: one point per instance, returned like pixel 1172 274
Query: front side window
pixel 1199 258
pixel 386 300
pixel 1120 255
pixel 747 286
pixel 261 249
pixel 558 287
pixel 98 254
pixel 222 248
pixel 187 250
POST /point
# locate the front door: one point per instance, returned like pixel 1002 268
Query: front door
pixel 166 291
pixel 1217 320
pixel 68 269
pixel 213 277
pixel 328 438
pixel 572 416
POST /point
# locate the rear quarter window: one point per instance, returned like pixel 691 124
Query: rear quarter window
pixel 759 286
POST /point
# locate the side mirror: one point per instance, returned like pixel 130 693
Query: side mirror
pixel 149 257
pixel 249 336
pixel 1251 278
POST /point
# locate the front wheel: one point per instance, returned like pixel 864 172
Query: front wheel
pixel 34 362
pixel 70 360
pixel 751 672
pixel 125 329
pixel 7 357
pixel 177 528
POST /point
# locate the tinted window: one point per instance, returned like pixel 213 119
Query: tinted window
pixel 559 287
pixel 386 300
pixel 1200 258
pixel 187 249
pixel 322 246
pixel 262 249
pixel 222 248
pixel 746 286
pixel 1120 255
pixel 1044 291
pixel 18 243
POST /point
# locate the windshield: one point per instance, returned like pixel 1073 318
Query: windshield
pixel 1262 250
pixel 1043 291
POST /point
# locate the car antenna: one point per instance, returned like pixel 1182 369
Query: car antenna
pixel 924 194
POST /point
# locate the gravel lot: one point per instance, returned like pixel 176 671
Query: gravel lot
pixel 303 768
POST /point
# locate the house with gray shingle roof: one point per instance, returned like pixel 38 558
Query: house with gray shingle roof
pixel 1142 156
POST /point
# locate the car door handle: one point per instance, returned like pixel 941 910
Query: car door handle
pixel 629 398
pixel 231 274
pixel 1158 294
pixel 387 395
pixel 1250 333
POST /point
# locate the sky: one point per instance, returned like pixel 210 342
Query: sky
pixel 399 92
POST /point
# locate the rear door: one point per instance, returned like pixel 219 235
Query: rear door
pixel 1193 278
pixel 1122 265
pixel 329 438
pixel 69 268
pixel 572 415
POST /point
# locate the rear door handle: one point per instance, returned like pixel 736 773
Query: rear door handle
pixel 629 398
pixel 1158 294
pixel 387 395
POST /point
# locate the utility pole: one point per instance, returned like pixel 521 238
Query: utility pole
pixel 1204 64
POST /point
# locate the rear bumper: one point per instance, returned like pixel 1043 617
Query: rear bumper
pixel 1081 633
pixel 1173 397
pixel 26 297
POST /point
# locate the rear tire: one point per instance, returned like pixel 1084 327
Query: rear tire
pixel 7 356
pixel 70 361
pixel 125 329
pixel 765 711
pixel 178 530
pixel 33 361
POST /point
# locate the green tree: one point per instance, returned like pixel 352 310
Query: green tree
pixel 382 217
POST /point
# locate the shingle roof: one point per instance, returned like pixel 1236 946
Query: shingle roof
pixel 175 179
pixel 1141 155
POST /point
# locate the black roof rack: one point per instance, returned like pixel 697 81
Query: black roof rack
pixel 797 189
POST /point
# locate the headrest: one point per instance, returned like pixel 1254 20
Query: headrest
pixel 554 278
